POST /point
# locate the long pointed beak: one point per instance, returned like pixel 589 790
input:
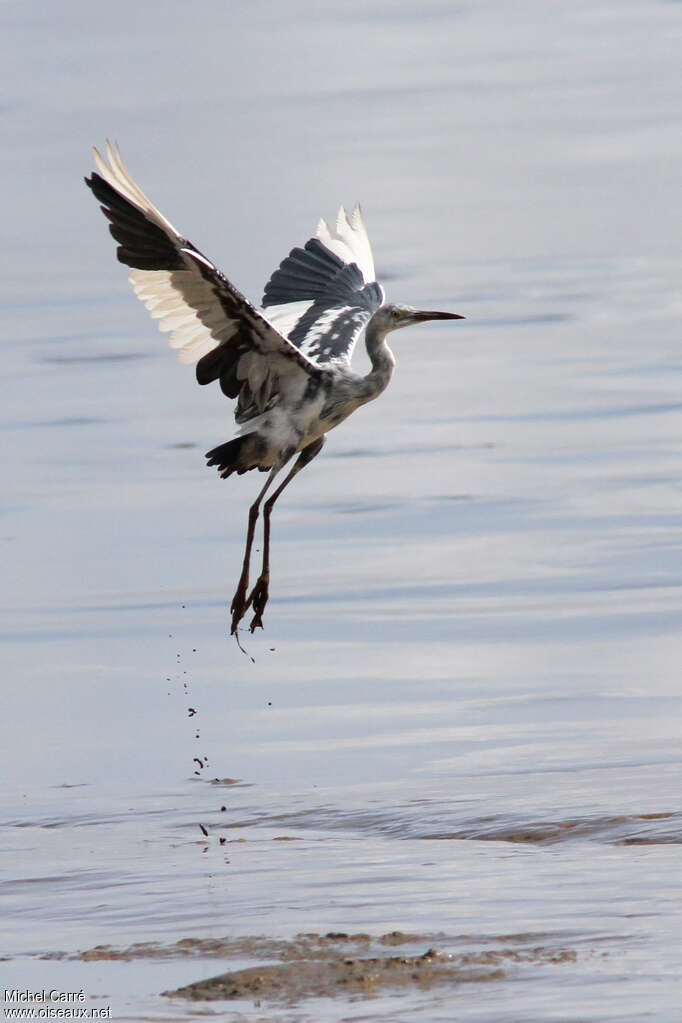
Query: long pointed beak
pixel 422 315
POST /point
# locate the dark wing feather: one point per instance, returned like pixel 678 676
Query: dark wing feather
pixel 323 295
pixel 210 321
pixel 305 273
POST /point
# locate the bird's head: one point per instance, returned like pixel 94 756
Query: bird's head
pixel 391 317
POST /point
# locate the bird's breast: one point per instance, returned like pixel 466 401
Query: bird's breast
pixel 304 414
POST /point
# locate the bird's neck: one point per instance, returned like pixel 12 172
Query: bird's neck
pixel 382 360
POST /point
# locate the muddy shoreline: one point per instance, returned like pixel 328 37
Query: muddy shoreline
pixel 339 964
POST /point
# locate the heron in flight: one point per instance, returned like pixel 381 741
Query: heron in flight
pixel 288 364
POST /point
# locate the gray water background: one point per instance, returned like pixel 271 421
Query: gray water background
pixel 466 702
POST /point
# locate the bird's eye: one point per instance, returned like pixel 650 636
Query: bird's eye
pixel 395 314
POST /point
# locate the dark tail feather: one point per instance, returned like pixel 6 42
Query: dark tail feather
pixel 237 455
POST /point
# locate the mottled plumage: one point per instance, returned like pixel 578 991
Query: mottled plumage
pixel 287 364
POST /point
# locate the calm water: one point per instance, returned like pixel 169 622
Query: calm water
pixel 464 713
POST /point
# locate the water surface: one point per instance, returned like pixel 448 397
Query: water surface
pixel 462 722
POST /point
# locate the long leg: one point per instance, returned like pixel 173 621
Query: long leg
pixel 258 597
pixel 239 602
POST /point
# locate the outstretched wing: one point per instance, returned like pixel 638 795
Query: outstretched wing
pixel 323 295
pixel 209 320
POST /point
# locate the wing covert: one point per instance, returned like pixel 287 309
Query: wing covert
pixel 324 294
pixel 210 322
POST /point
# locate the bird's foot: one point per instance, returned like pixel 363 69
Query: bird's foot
pixel 258 598
pixel 239 604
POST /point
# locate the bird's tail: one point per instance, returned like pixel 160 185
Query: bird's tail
pixel 237 455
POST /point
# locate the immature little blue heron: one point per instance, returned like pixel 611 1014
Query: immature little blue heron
pixel 287 365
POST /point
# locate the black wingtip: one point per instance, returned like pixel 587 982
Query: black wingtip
pixel 143 245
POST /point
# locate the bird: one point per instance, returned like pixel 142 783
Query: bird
pixel 287 363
